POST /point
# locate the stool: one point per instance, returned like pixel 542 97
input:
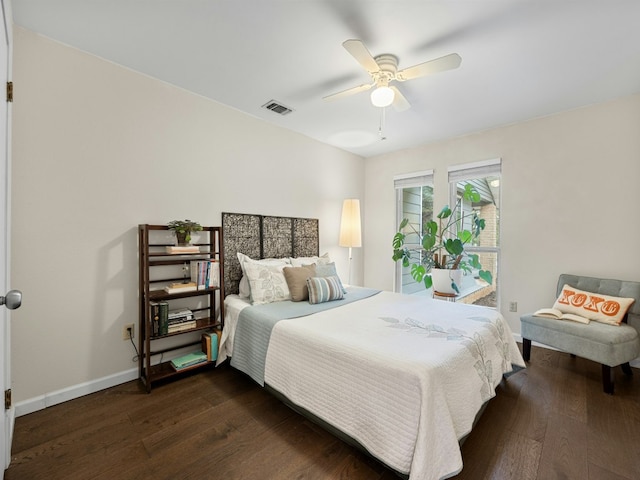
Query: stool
pixel 448 297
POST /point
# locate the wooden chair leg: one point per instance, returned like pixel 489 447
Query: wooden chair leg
pixel 526 349
pixel 626 368
pixel 607 379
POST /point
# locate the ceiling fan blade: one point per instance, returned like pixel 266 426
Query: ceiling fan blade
pixel 359 51
pixel 349 91
pixel 448 62
pixel 400 102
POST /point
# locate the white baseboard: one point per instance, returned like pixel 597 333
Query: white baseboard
pixel 75 391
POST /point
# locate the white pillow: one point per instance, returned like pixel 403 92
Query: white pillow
pixel 329 270
pixel 245 286
pixel 300 261
pixel 594 306
pixel 244 289
pixel 268 283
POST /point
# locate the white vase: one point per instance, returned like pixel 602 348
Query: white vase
pixel 443 279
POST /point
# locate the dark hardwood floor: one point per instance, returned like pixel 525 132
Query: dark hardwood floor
pixel 550 421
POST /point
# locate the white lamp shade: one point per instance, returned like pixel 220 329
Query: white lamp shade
pixel 350 227
pixel 382 96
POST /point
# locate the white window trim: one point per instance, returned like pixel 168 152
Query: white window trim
pixel 415 179
pixel 468 171
pixel 400 182
pixel 490 165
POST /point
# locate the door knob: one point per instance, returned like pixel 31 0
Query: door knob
pixel 12 300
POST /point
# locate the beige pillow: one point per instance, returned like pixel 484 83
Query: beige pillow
pixel 594 306
pixel 296 278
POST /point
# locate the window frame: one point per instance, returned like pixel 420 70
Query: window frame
pixel 421 179
pixel 470 171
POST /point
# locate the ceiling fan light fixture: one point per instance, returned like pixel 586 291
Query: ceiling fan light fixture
pixel 382 96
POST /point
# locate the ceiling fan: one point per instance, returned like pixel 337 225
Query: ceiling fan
pixel 384 70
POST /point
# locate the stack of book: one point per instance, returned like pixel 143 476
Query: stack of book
pixel 181 287
pixel 189 360
pixel 210 342
pixel 179 320
pixel 181 249
pixel 205 273
pixel 159 318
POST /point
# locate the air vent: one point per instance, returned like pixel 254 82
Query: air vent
pixel 277 107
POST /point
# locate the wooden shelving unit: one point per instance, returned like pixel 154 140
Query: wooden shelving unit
pixel 157 268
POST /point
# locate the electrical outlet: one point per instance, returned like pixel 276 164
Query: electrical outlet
pixel 513 306
pixel 125 331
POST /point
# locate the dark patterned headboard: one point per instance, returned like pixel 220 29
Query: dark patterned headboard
pixel 260 236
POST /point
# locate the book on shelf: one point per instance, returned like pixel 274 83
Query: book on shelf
pixel 205 340
pixel 177 249
pixel 177 320
pixel 182 326
pixel 214 274
pixel 205 273
pixel 182 319
pixel 181 287
pixel 197 273
pixel 163 318
pixel 180 313
pixel 210 342
pixel 189 360
pixel 216 336
pixel 154 314
pixel 558 315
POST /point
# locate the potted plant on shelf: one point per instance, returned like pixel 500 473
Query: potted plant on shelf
pixel 183 229
pixel 440 260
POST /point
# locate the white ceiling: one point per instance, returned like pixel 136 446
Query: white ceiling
pixel 521 59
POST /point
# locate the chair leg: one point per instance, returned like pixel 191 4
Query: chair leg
pixel 526 349
pixel 607 379
pixel 626 368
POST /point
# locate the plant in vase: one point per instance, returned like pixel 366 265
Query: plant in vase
pixel 183 229
pixel 441 250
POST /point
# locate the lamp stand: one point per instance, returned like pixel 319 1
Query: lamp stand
pixel 350 228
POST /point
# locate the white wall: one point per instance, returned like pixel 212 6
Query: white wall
pixel 568 183
pixel 98 149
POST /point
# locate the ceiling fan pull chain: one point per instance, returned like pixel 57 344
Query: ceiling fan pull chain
pixel 382 121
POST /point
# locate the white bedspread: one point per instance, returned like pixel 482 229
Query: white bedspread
pixel 233 305
pixel 405 376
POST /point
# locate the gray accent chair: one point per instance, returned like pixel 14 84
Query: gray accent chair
pixel 608 345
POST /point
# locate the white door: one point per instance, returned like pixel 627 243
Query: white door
pixel 6 420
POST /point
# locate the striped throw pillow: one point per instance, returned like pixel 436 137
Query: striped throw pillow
pixel 324 289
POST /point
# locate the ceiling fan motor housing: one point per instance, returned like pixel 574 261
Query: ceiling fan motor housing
pixel 388 67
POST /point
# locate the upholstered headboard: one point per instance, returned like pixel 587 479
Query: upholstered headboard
pixel 261 236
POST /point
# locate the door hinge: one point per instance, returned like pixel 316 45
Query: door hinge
pixel 9 91
pixel 7 399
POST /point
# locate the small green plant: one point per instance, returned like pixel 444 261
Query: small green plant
pixel 183 229
pixel 443 243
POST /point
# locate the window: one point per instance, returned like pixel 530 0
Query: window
pixel 485 177
pixel 414 200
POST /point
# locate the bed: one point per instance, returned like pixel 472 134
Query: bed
pixel 403 377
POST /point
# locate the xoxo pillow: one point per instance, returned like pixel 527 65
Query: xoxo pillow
pixel 594 306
